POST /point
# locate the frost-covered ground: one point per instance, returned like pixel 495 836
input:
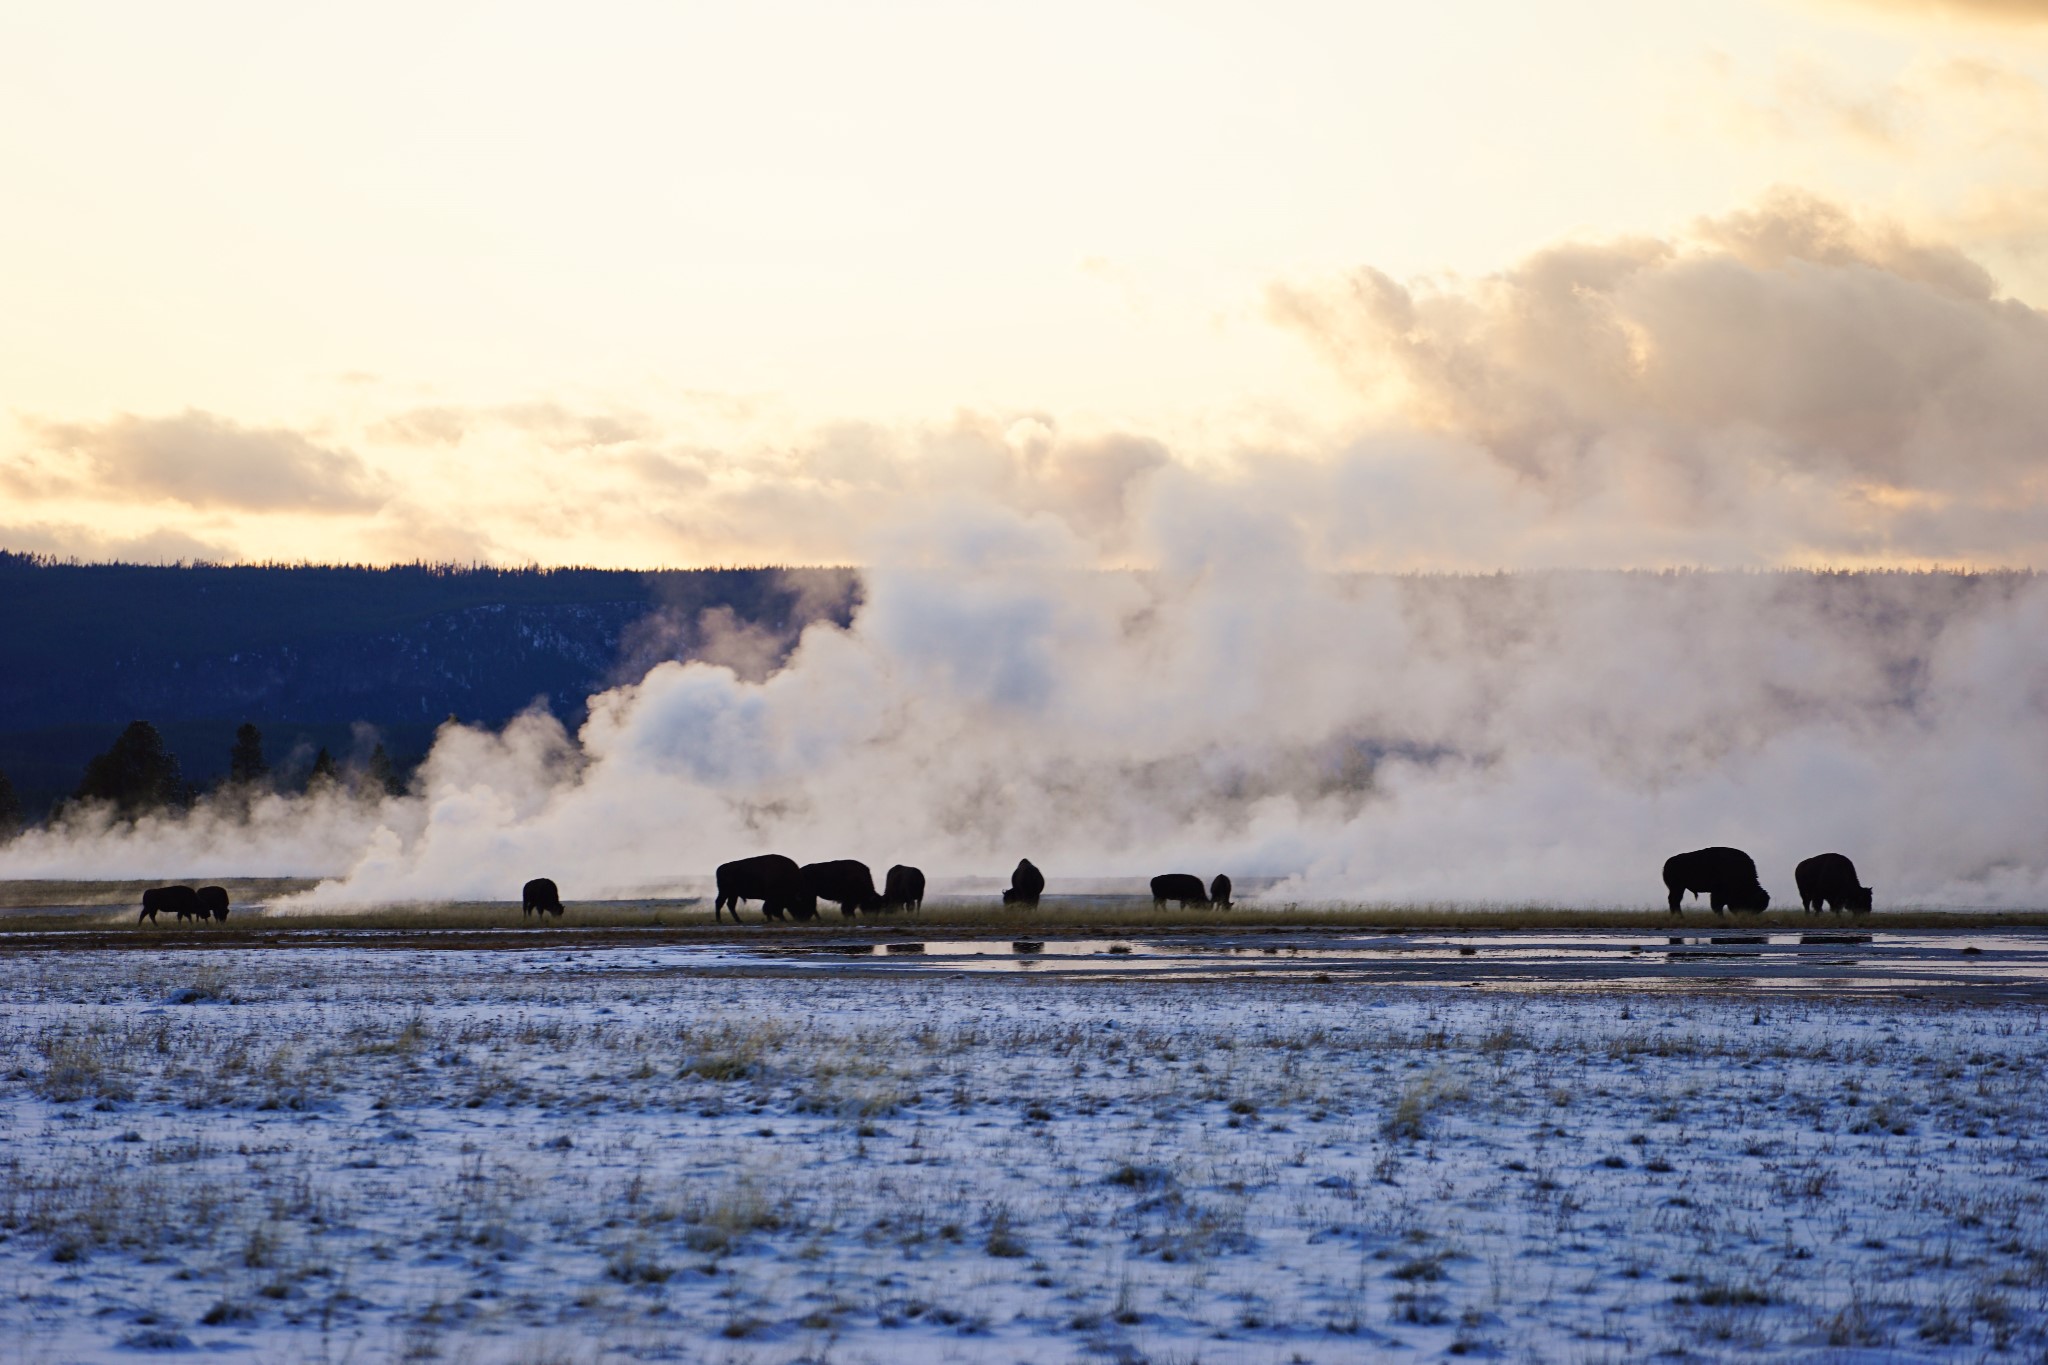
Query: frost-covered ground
pixel 564 1156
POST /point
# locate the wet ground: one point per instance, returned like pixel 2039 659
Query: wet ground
pixel 1828 959
pixel 1838 961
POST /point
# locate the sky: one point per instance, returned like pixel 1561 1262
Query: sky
pixel 1477 285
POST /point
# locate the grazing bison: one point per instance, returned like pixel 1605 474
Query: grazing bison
pixel 775 881
pixel 1027 884
pixel 1178 886
pixel 845 882
pixel 1219 891
pixel 1727 876
pixel 213 901
pixel 1830 879
pixel 902 888
pixel 181 901
pixel 539 897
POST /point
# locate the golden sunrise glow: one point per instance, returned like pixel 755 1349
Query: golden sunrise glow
pixel 636 284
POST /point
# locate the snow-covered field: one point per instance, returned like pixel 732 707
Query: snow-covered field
pixel 558 1155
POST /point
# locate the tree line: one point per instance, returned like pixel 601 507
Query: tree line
pixel 138 775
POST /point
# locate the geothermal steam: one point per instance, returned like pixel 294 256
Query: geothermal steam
pixel 1536 737
pixel 1773 386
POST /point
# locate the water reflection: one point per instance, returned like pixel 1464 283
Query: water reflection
pixel 1874 961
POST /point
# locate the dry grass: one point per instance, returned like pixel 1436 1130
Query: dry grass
pixel 31 895
pixel 1108 916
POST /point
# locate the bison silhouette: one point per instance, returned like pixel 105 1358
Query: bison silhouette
pixel 1027 884
pixel 1219 891
pixel 845 882
pixel 775 881
pixel 1830 879
pixel 1183 887
pixel 181 901
pixel 1726 876
pixel 903 888
pixel 213 901
pixel 539 897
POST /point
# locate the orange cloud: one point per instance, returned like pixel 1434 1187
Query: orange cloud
pixel 202 460
pixel 2003 11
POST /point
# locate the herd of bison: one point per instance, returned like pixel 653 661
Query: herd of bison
pixel 1725 876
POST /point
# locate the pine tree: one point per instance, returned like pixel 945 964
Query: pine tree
pixel 383 775
pixel 245 761
pixel 10 808
pixel 138 774
pixel 326 773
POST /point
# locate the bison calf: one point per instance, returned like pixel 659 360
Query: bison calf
pixel 1830 879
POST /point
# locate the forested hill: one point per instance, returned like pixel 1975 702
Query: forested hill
pixel 312 653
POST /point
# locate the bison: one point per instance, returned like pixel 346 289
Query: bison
pixel 903 888
pixel 213 901
pixel 181 901
pixel 1727 876
pixel 1830 879
pixel 539 897
pixel 845 882
pixel 1178 886
pixel 1219 891
pixel 775 881
pixel 1027 884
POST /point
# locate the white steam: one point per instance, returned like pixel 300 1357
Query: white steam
pixel 1547 737
pixel 1786 385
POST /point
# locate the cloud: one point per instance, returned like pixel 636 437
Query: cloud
pixel 1793 353
pixel 66 540
pixel 1791 383
pixel 1997 11
pixel 832 498
pixel 407 530
pixel 1803 99
pixel 202 460
pixel 550 424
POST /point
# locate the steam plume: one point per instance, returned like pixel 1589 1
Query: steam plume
pixel 1546 736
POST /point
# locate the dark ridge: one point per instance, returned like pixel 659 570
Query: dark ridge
pixel 344 656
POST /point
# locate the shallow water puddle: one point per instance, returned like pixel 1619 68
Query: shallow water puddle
pixel 1872 962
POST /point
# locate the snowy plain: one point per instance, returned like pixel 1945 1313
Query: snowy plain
pixel 564 1155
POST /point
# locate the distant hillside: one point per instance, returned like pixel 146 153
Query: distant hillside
pixel 312 653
